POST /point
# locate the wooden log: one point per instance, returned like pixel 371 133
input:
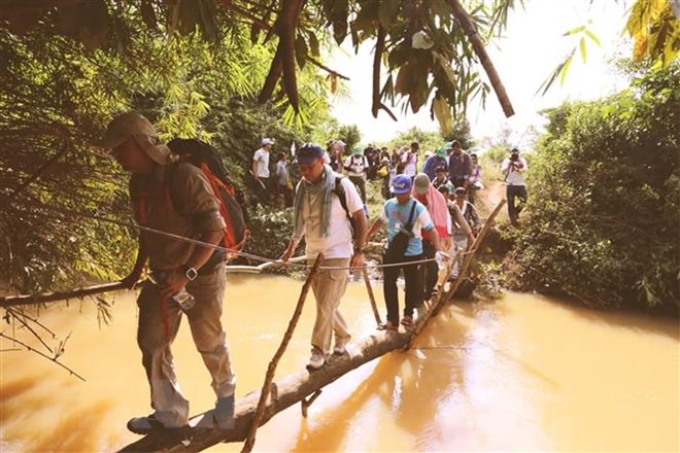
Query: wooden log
pixel 28 299
pixel 444 297
pixel 297 387
pixel 289 390
pixel 468 259
pixel 369 288
pixel 266 387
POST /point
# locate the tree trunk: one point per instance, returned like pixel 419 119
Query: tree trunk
pixel 480 50
pixel 284 393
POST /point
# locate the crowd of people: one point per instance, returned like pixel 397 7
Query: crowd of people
pixel 429 217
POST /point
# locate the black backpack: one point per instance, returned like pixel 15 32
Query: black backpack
pixel 207 158
pixel 339 191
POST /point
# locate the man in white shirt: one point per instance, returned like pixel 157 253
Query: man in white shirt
pixel 410 160
pixel 326 221
pixel 260 170
pixel 356 166
pixel 513 168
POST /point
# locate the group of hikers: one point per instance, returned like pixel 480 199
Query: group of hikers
pixel 429 221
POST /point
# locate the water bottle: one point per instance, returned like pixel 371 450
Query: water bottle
pixel 184 299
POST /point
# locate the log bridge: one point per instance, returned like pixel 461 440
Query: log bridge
pixel 259 406
pixel 301 387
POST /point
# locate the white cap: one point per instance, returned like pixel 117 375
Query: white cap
pixel 267 141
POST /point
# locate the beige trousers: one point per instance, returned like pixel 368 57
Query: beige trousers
pixel 170 407
pixel 329 286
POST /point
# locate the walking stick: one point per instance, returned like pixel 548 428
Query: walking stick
pixel 269 377
pixel 369 288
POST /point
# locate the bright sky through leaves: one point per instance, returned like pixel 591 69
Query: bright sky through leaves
pixel 533 47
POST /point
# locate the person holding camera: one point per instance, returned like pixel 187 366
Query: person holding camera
pixel 514 168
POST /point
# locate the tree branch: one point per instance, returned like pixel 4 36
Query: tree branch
pixel 478 46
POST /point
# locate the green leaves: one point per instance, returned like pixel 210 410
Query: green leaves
pixel 605 215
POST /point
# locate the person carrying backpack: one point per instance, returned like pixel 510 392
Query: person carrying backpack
pixel 356 166
pixel 406 219
pixel 181 273
pixel 327 222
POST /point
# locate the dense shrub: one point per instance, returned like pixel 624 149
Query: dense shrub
pixel 605 198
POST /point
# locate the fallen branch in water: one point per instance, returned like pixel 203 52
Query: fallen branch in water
pixel 29 299
pixel 59 351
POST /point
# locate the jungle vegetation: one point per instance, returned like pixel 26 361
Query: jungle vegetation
pixel 233 72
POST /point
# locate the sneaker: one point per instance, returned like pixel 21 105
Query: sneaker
pixel 144 425
pixel 340 346
pixel 317 360
pixel 224 412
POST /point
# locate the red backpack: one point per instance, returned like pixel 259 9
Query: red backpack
pixel 231 199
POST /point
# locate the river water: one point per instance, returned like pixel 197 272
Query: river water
pixel 521 373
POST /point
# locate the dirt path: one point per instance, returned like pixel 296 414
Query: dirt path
pixel 489 198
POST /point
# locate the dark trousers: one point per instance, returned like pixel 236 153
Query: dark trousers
pixel 514 208
pixel 430 270
pixel 414 289
pixel 386 188
pixel 282 191
pixel 458 182
pixel 360 184
pixel 262 191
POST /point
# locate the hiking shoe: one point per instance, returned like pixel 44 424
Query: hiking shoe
pixel 144 425
pixel 341 346
pixel 224 412
pixel 317 360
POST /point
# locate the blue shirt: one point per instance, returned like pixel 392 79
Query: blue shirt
pixel 431 165
pixel 459 166
pixel 395 216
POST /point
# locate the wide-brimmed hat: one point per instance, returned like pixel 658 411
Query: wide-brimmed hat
pixel 401 185
pixel 137 126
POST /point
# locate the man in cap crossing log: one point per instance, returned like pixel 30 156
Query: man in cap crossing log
pixel 181 272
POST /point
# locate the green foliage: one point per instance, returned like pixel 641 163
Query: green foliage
pixel 427 52
pixel 429 141
pixel 56 97
pixel 604 204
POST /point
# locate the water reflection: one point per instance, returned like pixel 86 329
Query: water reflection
pixel 523 373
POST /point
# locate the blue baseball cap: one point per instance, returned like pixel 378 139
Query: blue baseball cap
pixel 401 185
pixel 307 152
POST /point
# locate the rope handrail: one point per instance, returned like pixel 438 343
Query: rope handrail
pixel 233 252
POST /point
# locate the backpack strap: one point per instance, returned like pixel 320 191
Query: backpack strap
pixel 410 222
pixel 339 191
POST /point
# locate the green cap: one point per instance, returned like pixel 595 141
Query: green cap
pixel 441 152
pixel 357 150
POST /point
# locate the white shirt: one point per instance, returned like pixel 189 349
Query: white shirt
pixel 410 161
pixel 261 157
pixel 356 165
pixel 338 243
pixel 515 177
